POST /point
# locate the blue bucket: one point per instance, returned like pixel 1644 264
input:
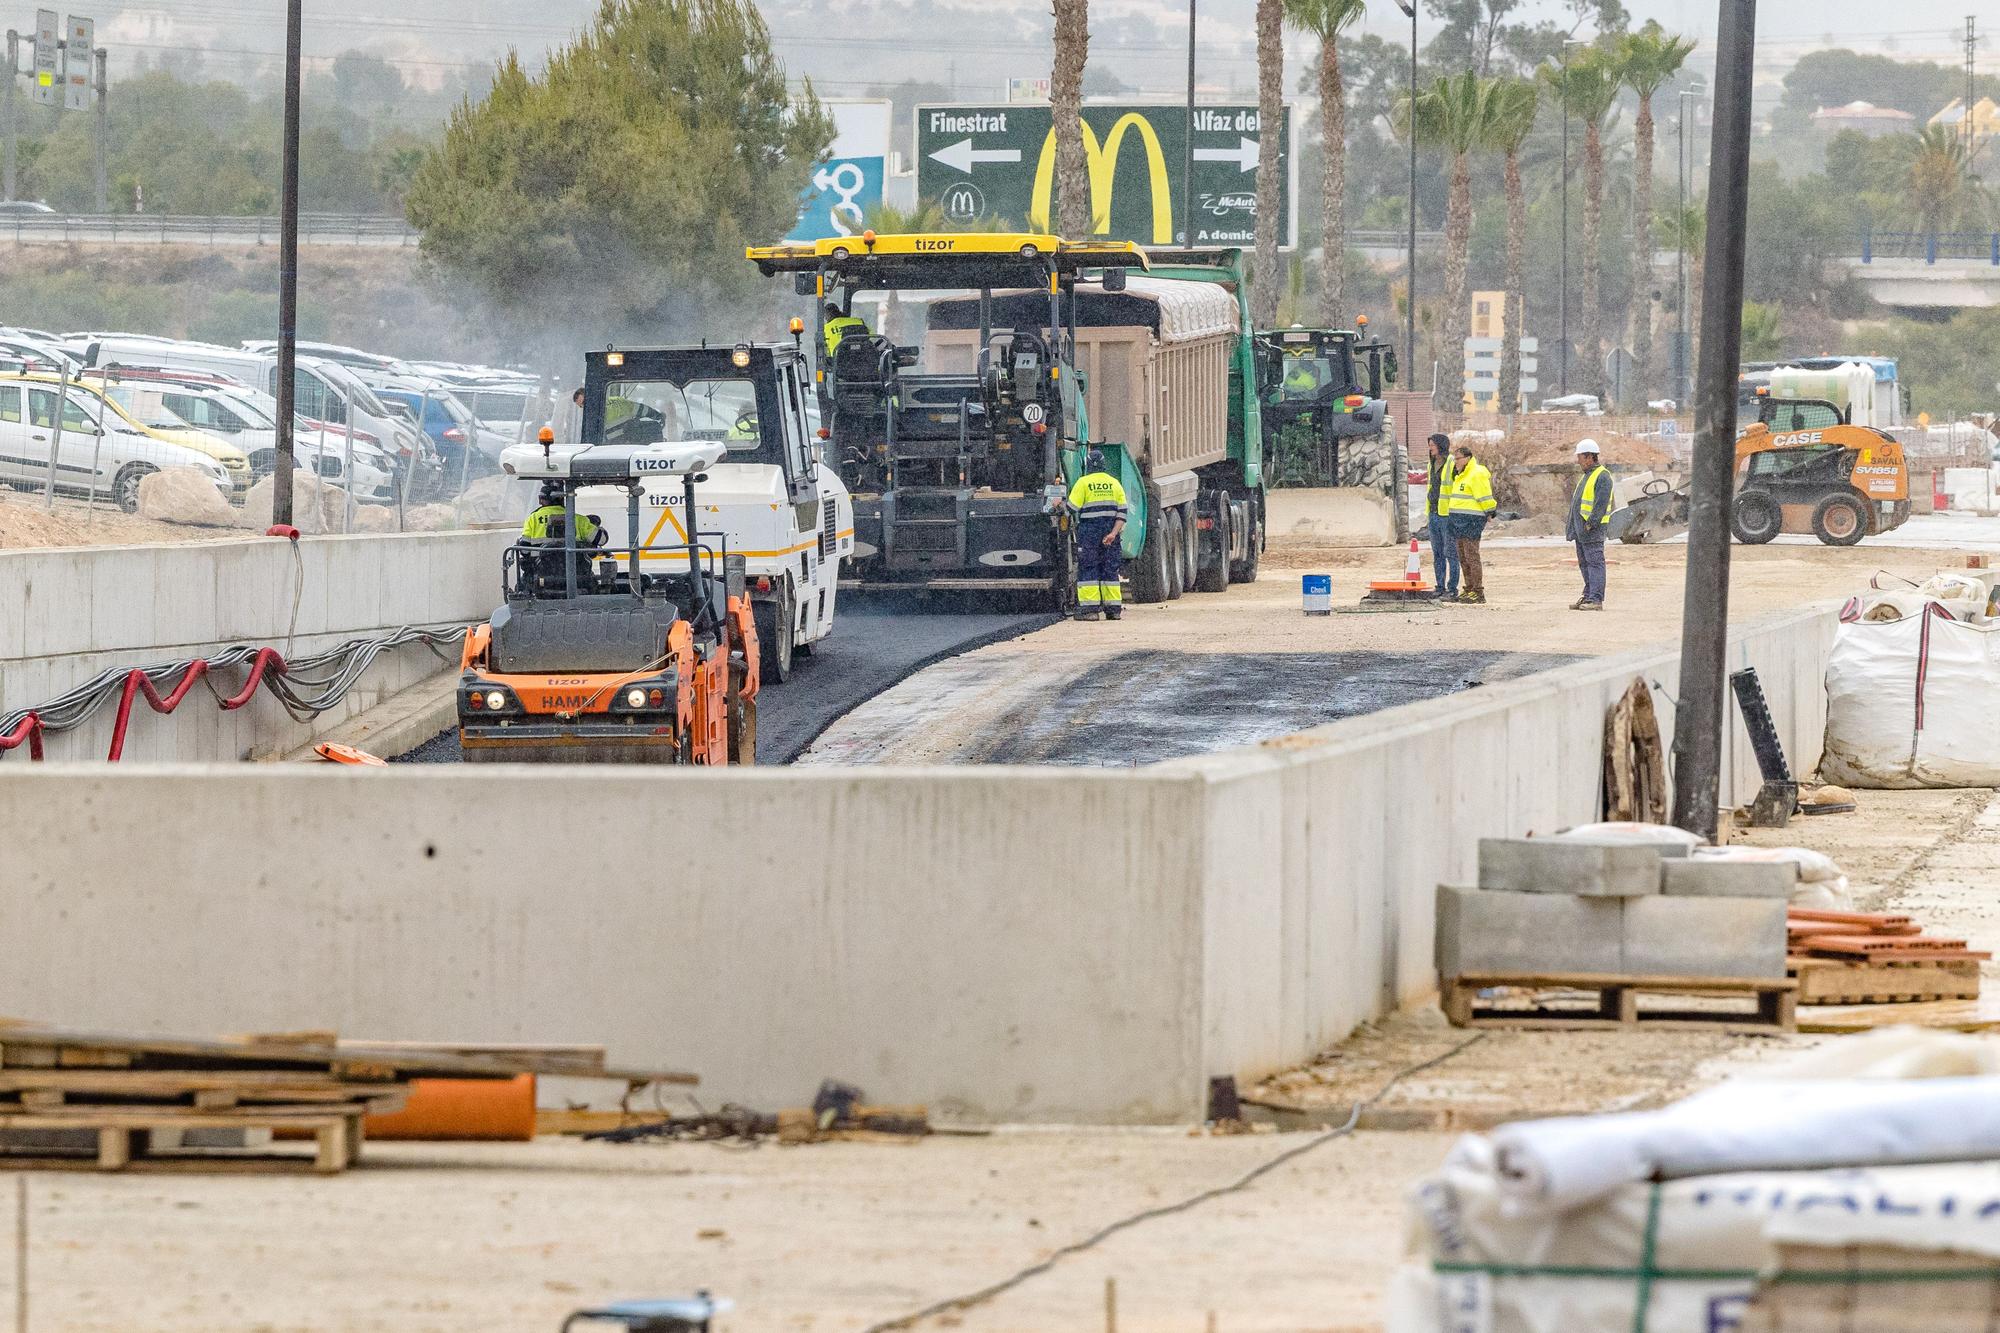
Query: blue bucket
pixel 1316 594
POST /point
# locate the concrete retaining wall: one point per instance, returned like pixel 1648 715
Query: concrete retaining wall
pixel 68 614
pixel 1017 944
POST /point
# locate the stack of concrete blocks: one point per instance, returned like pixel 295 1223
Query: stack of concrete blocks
pixel 1553 906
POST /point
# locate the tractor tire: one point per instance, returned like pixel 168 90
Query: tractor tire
pixel 1840 520
pixel 125 486
pixel 777 635
pixel 1178 573
pixel 1755 518
pixel 1151 576
pixel 1245 570
pixel 1212 571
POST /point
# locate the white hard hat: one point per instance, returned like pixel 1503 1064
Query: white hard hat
pixel 1587 447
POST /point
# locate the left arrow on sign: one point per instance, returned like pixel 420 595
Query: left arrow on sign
pixel 962 156
pixel 1244 155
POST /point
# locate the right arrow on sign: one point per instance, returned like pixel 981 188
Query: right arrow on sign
pixel 1244 155
pixel 962 156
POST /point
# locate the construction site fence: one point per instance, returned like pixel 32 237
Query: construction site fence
pixel 345 229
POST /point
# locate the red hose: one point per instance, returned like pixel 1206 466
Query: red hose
pixel 137 681
pixel 267 659
pixel 28 729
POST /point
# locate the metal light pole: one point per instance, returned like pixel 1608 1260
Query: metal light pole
pixel 101 171
pixel 1410 261
pixel 1187 165
pixel 1684 373
pixel 7 112
pixel 1562 281
pixel 1702 710
pixel 288 274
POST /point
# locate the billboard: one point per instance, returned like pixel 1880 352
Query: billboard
pixel 996 164
pixel 845 187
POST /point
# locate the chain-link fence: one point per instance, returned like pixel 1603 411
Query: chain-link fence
pixel 185 433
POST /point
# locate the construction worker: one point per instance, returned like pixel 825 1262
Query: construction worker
pixel 1301 377
pixel 839 327
pixel 1098 501
pixel 1470 506
pixel 745 427
pixel 1588 519
pixel 1444 546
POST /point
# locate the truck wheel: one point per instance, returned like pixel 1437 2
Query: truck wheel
pixel 777 635
pixel 1756 518
pixel 1245 570
pixel 1840 520
pixel 1212 570
pixel 1177 570
pixel 1150 574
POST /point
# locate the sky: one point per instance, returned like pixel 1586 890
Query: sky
pixel 1140 40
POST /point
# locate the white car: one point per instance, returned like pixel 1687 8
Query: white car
pixel 104 450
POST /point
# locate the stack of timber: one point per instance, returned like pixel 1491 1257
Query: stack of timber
pixel 113 1100
pixel 1876 957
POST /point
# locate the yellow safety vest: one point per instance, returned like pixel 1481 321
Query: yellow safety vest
pixel 538 525
pixel 838 329
pixel 1443 505
pixel 1097 495
pixel 1586 499
pixel 1472 490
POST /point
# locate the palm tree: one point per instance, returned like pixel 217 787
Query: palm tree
pixel 1270 116
pixel 1941 179
pixel 1511 107
pixel 1646 60
pixel 1072 43
pixel 1326 19
pixel 1455 114
pixel 1587 87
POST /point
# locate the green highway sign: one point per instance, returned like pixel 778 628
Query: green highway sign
pixel 997 164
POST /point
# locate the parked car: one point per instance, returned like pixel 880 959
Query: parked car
pixel 451 426
pixel 105 450
pixel 352 357
pixel 26 208
pixel 321 390
pixel 246 418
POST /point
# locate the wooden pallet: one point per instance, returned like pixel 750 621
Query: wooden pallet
pixel 1591 1000
pixel 124 1134
pixel 1831 981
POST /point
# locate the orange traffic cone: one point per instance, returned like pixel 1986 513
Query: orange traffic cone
pixel 1411 584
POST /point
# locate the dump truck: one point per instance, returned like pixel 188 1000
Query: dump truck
pixel 598 656
pixel 772 495
pixel 959 448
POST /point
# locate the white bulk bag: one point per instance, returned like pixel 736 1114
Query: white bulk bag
pixel 1913 703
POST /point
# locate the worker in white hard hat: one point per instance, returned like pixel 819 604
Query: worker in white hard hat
pixel 1587 521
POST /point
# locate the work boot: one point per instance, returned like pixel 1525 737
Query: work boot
pixel 1579 604
pixel 1091 613
pixel 1590 606
pixel 1474 598
pixel 1114 613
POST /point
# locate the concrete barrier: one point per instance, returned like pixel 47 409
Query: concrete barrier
pixel 68 614
pixel 1005 944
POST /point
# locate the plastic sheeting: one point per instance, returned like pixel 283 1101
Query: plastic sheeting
pixel 1550 1166
pixel 1914 703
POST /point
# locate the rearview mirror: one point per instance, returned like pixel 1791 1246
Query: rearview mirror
pixel 1114 279
pixel 1389 367
pixel 806 284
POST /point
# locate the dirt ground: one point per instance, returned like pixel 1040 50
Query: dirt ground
pixel 25 522
pixel 837 1238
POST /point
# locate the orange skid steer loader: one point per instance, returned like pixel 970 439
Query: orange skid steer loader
pixel 597 657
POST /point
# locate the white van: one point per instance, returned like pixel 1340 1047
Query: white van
pixel 321 390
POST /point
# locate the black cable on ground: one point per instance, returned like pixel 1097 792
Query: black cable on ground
pixel 1242 1182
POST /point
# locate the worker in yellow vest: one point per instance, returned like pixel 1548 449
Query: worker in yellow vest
pixel 839 327
pixel 1099 504
pixel 1437 517
pixel 1588 520
pixel 1471 505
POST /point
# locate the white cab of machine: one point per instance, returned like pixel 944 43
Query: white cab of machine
pixel 610 461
